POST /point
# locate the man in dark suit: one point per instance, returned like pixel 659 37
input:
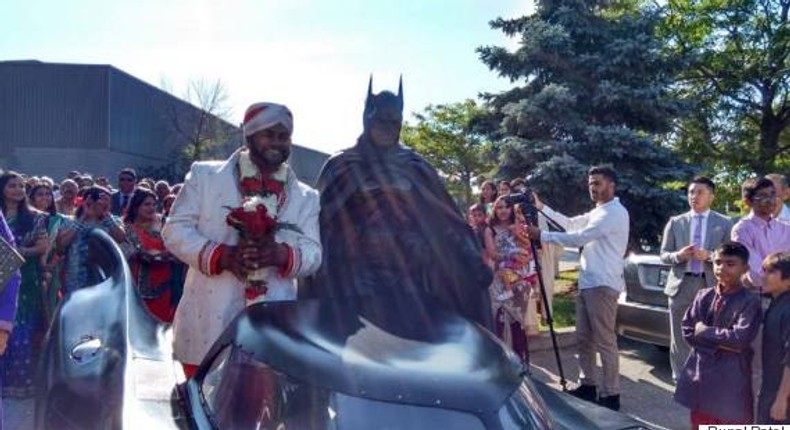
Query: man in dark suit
pixel 127 178
pixel 688 241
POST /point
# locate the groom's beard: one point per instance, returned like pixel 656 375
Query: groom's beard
pixel 272 156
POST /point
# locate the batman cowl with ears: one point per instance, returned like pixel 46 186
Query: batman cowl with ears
pixel 388 226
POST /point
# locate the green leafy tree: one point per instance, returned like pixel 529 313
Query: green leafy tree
pixel 591 87
pixel 738 80
pixel 446 136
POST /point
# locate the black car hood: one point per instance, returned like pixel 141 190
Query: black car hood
pixel 396 349
pixel 572 413
pixel 399 350
pixel 106 363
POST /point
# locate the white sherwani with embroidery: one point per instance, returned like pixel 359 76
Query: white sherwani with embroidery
pixel 197 218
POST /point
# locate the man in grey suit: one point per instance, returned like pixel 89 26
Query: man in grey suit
pixel 688 241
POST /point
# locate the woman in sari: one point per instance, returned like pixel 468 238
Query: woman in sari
pixel 8 303
pixel 511 260
pixel 151 264
pixel 42 198
pixel 93 212
pixel 19 364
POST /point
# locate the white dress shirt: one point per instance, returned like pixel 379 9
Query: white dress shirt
pixel 603 232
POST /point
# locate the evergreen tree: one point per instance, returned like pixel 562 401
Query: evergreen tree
pixel 591 88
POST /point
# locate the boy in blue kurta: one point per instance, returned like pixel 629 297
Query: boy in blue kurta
pixel 775 393
pixel 719 326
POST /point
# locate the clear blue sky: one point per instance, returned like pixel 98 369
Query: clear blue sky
pixel 313 55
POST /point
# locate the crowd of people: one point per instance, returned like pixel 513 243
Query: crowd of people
pixel 728 291
pixel 48 223
pixel 500 227
pixel 728 297
pixel 508 236
pixel 729 287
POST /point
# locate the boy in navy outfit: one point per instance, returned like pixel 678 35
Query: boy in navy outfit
pixel 719 326
pixel 775 393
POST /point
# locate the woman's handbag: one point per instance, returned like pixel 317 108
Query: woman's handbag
pixel 10 261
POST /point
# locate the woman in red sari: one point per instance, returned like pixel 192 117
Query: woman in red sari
pixel 149 260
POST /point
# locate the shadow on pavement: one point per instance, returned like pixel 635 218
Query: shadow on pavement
pixel 653 356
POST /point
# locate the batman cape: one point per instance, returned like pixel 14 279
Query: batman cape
pixel 389 228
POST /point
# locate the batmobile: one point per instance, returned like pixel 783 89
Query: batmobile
pixel 359 363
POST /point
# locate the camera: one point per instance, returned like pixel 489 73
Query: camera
pixel 526 202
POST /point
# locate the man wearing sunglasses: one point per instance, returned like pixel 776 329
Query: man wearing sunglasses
pixel 762 235
pixel 759 230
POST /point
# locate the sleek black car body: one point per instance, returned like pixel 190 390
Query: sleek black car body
pixel 643 309
pixel 380 363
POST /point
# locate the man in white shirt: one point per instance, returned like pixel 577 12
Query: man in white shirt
pixel 687 243
pixel 603 233
pixel 782 211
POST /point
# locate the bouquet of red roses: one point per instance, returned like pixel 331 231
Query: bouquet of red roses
pixel 254 225
pixel 256 219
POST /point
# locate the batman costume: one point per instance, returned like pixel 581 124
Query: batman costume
pixel 388 226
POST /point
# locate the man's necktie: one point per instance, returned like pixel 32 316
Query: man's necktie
pixel 696 240
pixel 124 202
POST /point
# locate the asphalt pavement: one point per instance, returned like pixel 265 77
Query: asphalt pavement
pixel 645 375
pixel 645 380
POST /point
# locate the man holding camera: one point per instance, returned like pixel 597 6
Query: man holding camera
pixel 603 234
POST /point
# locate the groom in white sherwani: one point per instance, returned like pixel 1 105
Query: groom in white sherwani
pixel 220 263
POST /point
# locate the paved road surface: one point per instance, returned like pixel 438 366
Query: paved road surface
pixel 645 381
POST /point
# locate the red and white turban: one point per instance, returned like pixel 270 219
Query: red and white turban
pixel 261 116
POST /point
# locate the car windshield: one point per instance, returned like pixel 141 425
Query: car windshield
pixel 242 393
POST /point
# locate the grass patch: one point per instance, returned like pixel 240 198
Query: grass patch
pixel 566 277
pixel 564 311
pixel 564 300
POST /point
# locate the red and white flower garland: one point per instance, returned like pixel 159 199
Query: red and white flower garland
pixel 256 219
